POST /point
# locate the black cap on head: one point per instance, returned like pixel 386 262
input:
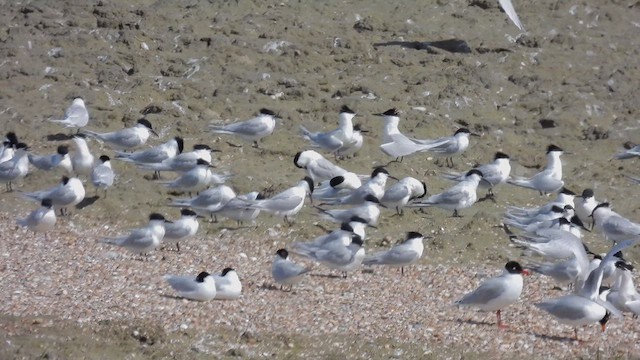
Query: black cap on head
pixel 372 199
pixel 63 150
pixel 265 111
pixel 104 158
pixel 12 137
pixel 414 235
pixel 310 183
pixel 556 209
pixel 202 162
pixel 65 180
pixel 587 193
pixel 22 146
pixel 379 170
pixel 621 265
pixel 566 191
pixel 513 267
pixel 201 147
pixel 156 216
pixel 295 160
pixel 390 112
pixel 462 131
pixel 358 219
pixel 345 109
pixel 568 207
pixel 346 227
pixel 575 220
pixel 283 253
pixel 146 123
pixel 500 155
pixel 619 255
pixel 474 171
pixel 337 180
pixel 180 142
pixel 597 256
pixel 226 270
pixel 601 205
pixel 201 276
pixel 552 147
pixel 356 239
pixel 424 189
pixel 46 202
pixel 260 196
pixel 188 212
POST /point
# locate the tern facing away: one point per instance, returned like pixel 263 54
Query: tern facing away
pixel 549 179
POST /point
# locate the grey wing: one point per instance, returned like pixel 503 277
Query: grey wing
pixel 286 269
pixel 187 180
pixel 621 226
pixel 487 291
pixel 564 307
pixel 448 145
pixel 452 196
pixel 327 140
pixel 337 255
pixel 181 283
pixel 175 231
pixel 102 175
pixel 138 239
pixel 490 173
pixel 42 162
pixel 399 146
pixel 62 195
pixel 33 218
pixel 124 138
pixel 399 255
pixel 249 127
pixel 326 166
pixel 281 202
pixel 155 155
pixel 395 193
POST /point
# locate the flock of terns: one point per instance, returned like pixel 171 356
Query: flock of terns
pixel 552 232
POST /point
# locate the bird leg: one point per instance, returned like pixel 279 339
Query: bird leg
pixel 500 324
pixel 455 213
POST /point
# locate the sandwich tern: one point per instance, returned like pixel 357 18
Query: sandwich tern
pixel 102 175
pixel 127 138
pixel 76 115
pixel 254 129
pixel 284 271
pixel 202 288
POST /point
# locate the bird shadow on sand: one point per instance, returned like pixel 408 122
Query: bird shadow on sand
pixel 552 337
pixel 330 276
pixel 434 47
pixel 475 322
pixel 174 297
pixel 59 137
pixel 87 201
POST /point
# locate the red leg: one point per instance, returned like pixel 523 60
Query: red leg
pixel 500 324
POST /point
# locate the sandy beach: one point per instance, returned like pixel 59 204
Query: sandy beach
pixel 570 80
